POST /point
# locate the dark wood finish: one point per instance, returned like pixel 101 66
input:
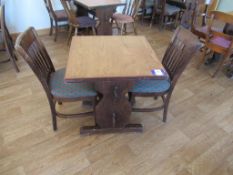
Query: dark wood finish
pixel 104 67
pixel 34 53
pixel 104 14
pixel 56 16
pixel 77 22
pixel 203 10
pixel 178 54
pixel 128 16
pixel 188 14
pixel 104 11
pixel 112 112
pixel 8 41
pixel 218 42
pixel 160 10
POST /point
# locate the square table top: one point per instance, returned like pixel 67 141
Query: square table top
pixel 93 58
pixel 91 4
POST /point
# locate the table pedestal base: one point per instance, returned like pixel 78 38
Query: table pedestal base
pixel 95 130
pixel 112 112
pixel 104 14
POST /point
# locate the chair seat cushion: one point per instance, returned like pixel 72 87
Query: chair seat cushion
pixel 151 86
pixel 85 21
pixel 220 41
pixel 171 10
pixel 60 89
pixel 61 15
pixel 121 18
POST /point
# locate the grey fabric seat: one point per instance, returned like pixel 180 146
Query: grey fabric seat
pixel 60 89
pixel 151 86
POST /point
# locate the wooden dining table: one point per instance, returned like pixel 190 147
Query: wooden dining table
pixel 113 64
pixel 104 10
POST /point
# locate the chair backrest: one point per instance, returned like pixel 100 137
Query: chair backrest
pixel 30 47
pixel 181 49
pixel 159 6
pixel 9 44
pixel 70 12
pixel 49 7
pixel 131 8
pixel 188 15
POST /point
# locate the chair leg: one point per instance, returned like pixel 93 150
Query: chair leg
pixel 202 58
pixel 56 31
pixel 166 103
pixel 131 98
pixel 219 66
pixel 14 64
pixel 122 29
pixel 134 28
pixel 69 35
pixel 93 30
pixel 54 114
pixel 51 27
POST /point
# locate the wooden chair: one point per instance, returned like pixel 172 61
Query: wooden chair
pixel 56 16
pixel 146 9
pixel 178 54
pixel 188 14
pixel 8 41
pixel 128 16
pixel 76 23
pixel 34 53
pixel 202 10
pixel 218 42
pixel 165 12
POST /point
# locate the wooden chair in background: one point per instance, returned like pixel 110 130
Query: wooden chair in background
pixel 128 16
pixel 56 17
pixel 178 54
pixel 34 53
pixel 200 16
pixel 8 41
pixel 218 42
pixel 166 13
pixel 76 23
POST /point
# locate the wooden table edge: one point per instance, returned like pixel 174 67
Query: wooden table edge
pixel 101 6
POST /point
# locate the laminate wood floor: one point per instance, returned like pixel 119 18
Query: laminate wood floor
pixel 196 140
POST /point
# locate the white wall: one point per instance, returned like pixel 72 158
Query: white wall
pixel 226 5
pixel 20 14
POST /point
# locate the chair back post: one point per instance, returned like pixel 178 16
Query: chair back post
pixel 49 7
pixel 29 46
pixel 181 49
pixel 131 8
pixel 189 14
pixel 69 12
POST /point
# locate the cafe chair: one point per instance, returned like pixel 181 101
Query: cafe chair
pixel 188 14
pixel 146 9
pixel 166 13
pixel 181 49
pixel 8 41
pixel 128 16
pixel 56 17
pixel 217 41
pixel 76 23
pixel 30 47
pixel 201 13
